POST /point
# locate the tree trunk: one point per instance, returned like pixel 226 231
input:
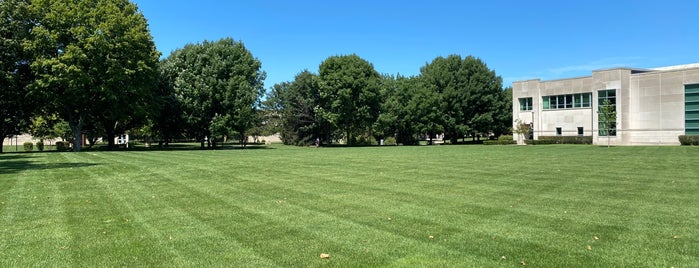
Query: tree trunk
pixel 2 143
pixel 76 126
pixel 109 129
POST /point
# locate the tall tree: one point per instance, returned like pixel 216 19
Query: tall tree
pixel 95 59
pixel 351 87
pixel 219 85
pixel 470 94
pixel 301 109
pixel 15 105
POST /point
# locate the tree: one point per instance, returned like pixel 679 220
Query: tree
pixel 16 106
pixel 410 110
pixel 303 118
pixel 350 87
pixel 522 129
pixel 607 119
pixel 219 85
pixel 470 92
pixel 94 59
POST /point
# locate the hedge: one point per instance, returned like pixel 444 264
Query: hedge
pixel 502 140
pixel 561 140
pixel 689 139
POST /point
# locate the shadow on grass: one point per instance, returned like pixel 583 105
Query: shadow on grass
pixel 15 163
pixel 176 147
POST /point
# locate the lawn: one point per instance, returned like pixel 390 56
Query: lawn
pixel 434 206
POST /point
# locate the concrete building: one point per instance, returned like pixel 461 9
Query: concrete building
pixel 653 106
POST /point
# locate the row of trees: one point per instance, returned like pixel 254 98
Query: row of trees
pixel 72 68
pixel 349 100
pixel 91 67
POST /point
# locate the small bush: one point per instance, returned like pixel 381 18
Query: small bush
pixel 40 146
pixel 28 146
pixel 689 139
pixel 505 137
pixel 62 146
pixel 389 141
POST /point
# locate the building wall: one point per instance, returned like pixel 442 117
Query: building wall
pixel 650 104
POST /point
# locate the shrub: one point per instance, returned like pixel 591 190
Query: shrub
pixel 62 146
pixel 539 142
pixel 389 141
pixel 689 139
pixel 505 137
pixel 561 140
pixel 28 146
pixel 40 146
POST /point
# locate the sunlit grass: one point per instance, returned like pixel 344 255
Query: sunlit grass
pixel 459 206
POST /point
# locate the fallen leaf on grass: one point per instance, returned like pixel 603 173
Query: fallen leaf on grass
pixel 596 238
pixel 324 256
pixel 522 262
pixel 503 257
pixel 675 237
pixel 589 247
pixel 431 237
pixel 390 219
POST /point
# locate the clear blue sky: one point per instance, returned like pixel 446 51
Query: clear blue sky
pixel 518 39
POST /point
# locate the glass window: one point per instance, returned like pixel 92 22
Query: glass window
pixel 577 100
pixel 586 99
pixel 559 131
pixel 568 101
pixel 525 104
pixel 580 131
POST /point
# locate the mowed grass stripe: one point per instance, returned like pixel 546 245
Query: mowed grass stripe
pixel 335 227
pixel 43 236
pixel 149 194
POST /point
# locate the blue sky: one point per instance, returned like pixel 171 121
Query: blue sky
pixel 518 39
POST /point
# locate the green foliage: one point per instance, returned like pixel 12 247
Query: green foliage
pixel 499 142
pixel 506 137
pixel 350 97
pixel 689 139
pixel 472 99
pixel 561 140
pixel 16 106
pixel 217 83
pixel 62 146
pixel 40 146
pixel 390 141
pixel 76 42
pixel 28 146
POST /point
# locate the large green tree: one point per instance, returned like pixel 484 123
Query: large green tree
pixel 471 94
pixel 219 85
pixel 16 106
pixel 350 87
pixel 304 118
pixel 95 59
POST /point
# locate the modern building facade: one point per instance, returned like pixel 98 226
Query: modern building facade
pixel 653 106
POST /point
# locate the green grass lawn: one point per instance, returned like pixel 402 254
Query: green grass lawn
pixel 435 206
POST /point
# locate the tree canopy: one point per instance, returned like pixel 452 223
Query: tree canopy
pixel 93 59
pixel 16 106
pixel 219 85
